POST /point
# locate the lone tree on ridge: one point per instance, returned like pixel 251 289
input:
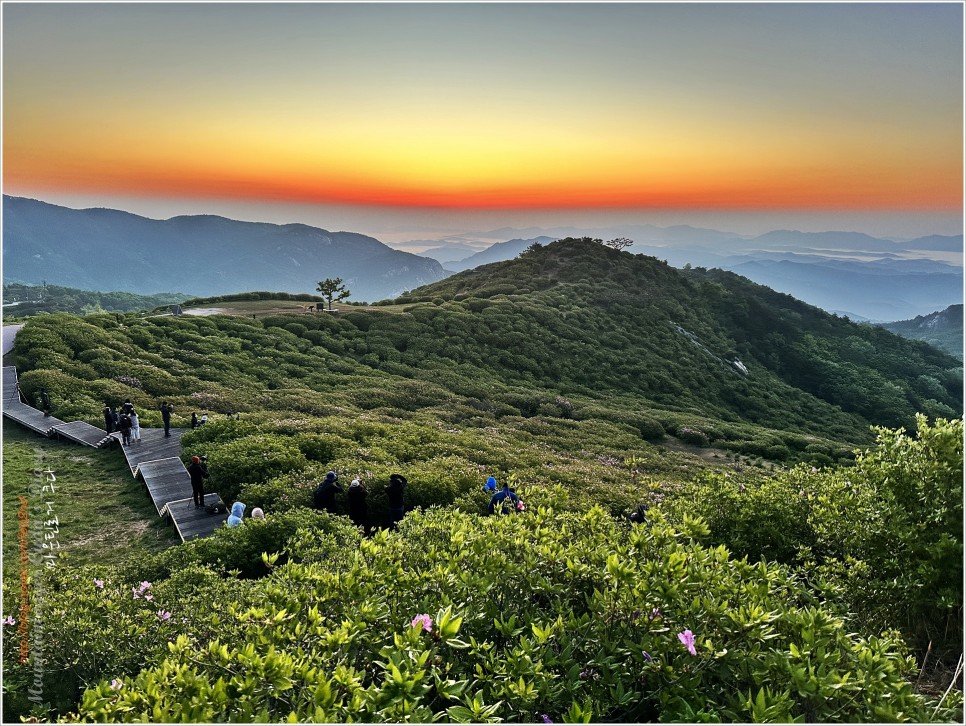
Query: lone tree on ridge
pixel 619 243
pixel 332 290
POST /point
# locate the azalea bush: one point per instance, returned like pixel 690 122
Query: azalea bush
pixel 537 616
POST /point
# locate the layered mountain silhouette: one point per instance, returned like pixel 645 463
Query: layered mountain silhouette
pixel 104 249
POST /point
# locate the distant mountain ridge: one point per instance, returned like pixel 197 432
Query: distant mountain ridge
pixel 853 273
pixel 942 329
pixel 106 249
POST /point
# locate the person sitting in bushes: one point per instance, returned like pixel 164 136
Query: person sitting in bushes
pixel 324 496
pixel 504 500
pixel 490 485
pixel 639 515
pixel 394 493
pixel 257 513
pixel 198 473
pixel 356 498
pixel 237 512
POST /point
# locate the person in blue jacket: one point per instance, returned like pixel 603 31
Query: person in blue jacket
pixel 504 500
pixel 237 512
pixel 490 485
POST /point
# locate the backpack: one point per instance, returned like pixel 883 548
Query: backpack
pixel 217 508
pixel 508 505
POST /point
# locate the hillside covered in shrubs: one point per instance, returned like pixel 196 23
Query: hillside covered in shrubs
pixel 779 575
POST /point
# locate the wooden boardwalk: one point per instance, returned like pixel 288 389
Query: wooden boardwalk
pixel 152 446
pixel 30 417
pixel 191 522
pixel 82 432
pixel 166 481
pixel 11 392
pixel 155 460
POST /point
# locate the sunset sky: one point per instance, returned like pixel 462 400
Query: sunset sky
pixel 492 112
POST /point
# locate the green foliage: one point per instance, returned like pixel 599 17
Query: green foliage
pixel 251 459
pixel 560 620
pixel 35 299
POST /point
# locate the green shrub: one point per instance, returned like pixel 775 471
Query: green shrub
pixel 574 617
pixel 250 460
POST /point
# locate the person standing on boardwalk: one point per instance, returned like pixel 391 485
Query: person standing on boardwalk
pixel 198 474
pixel 395 494
pixel 124 426
pixel 166 409
pixel 108 419
pixel 44 402
pixel 135 426
pixel 127 406
pixel 194 420
pixel 356 497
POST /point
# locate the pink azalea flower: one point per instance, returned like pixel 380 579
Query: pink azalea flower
pixel 164 615
pixel 99 583
pixel 149 597
pixel 116 684
pixel 134 591
pixel 687 639
pixel 425 621
pixel 9 620
pixel 144 586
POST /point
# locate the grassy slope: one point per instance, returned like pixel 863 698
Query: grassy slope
pixel 104 514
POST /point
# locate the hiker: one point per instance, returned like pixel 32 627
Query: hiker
pixel 194 420
pixel 506 500
pixel 204 419
pixel 135 426
pixel 394 493
pixel 257 513
pixel 44 402
pixel 356 497
pixel 324 496
pixel 117 419
pixel 198 474
pixel 237 512
pixel 638 516
pixel 124 426
pixel 108 419
pixel 127 406
pixel 166 409
pixel 490 486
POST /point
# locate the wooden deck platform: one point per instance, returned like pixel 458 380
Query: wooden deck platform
pixel 191 522
pixel 153 445
pixel 30 417
pixel 166 480
pixel 82 432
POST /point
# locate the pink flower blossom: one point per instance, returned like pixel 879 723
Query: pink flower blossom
pixel 655 614
pixel 9 620
pixel 99 584
pixel 425 621
pixel 164 615
pixel 687 639
pixel 134 592
pixel 149 597
pixel 116 684
pixel 144 586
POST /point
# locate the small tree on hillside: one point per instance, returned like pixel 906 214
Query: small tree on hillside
pixel 619 243
pixel 332 290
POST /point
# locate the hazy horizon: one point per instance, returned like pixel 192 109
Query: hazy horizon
pixel 396 226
